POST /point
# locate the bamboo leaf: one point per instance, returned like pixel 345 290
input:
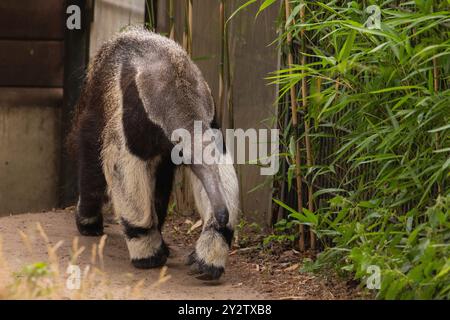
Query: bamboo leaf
pixel 440 129
pixel 242 7
pixel 265 5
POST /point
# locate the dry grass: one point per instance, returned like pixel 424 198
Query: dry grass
pixel 54 279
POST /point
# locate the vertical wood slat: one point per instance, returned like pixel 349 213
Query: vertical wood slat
pixel 252 59
pixel 76 60
pixel 182 193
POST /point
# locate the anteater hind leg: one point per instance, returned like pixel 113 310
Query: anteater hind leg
pixel 132 184
pixel 91 183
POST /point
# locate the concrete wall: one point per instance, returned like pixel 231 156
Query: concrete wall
pixel 31 80
pixel 29 149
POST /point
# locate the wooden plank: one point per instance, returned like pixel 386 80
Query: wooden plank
pixel 32 19
pixel 31 97
pixel 252 61
pixel 31 63
pixel 206 45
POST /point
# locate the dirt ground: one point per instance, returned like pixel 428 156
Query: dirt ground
pixel 251 274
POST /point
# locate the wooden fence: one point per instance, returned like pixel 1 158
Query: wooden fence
pixel 47 55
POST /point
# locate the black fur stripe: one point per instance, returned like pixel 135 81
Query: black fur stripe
pixel 157 260
pixel 215 125
pixel 163 188
pixel 92 229
pixel 144 138
pixel 202 270
pixel 228 234
pixel 132 231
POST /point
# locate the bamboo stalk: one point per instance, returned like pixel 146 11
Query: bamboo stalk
pixel 436 90
pixel 190 24
pixel 283 192
pixel 309 156
pixel 228 75
pixel 230 106
pixel 184 198
pixel 295 128
pixel 150 15
pixel 187 35
pixel 220 110
pixel 186 22
pixel 435 76
pixel 171 20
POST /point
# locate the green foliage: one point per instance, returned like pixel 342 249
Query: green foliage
pixel 283 232
pixel 247 233
pixel 381 97
pixel 37 278
pixel 34 271
pixel 151 15
pixel 411 250
pixel 171 210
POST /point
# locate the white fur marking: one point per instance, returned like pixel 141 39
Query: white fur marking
pixel 144 247
pixel 212 248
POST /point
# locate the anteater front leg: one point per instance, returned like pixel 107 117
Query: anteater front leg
pixel 132 187
pixel 209 258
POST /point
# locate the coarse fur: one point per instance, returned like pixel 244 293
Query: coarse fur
pixel 139 89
